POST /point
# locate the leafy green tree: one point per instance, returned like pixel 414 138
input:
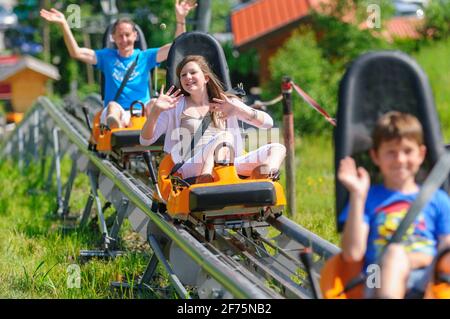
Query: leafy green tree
pixel 220 15
pixel 243 66
pixel 341 42
pixel 150 15
pixel 317 54
pixel 301 59
pixel 26 11
pixel 437 23
pixel 339 33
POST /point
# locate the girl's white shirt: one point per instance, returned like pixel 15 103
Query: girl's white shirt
pixel 169 123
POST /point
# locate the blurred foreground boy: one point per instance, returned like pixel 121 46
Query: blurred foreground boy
pixel 375 212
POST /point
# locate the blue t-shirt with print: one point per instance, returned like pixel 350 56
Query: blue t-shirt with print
pixel 386 208
pixel 114 68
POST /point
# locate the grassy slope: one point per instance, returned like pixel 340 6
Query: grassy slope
pixel 315 186
pixel 435 60
pixel 35 253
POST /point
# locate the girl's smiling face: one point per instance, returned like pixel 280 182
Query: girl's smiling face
pixel 192 78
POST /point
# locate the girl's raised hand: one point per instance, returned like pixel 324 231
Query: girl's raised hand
pixel 168 100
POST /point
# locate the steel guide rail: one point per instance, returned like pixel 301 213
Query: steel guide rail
pixel 303 236
pixel 237 280
pixel 253 261
pixel 272 267
pixel 234 264
pixel 238 286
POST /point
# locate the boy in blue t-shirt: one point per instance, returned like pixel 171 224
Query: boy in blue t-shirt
pixel 114 63
pixel 375 212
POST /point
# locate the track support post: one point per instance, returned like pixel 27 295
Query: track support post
pixel 36 131
pixel 289 139
pixel 64 212
pixel 57 161
pixel 21 148
pixel 145 279
pixel 110 240
pixel 118 221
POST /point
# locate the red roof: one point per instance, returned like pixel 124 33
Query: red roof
pixel 404 27
pixel 261 17
pixel 400 27
pixel 8 59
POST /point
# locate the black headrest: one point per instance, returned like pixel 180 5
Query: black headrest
pixel 108 42
pixel 373 85
pixel 198 43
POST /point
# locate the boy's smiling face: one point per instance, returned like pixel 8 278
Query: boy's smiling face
pixel 399 161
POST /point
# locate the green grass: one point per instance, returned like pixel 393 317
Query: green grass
pixel 315 186
pixel 434 59
pixel 35 253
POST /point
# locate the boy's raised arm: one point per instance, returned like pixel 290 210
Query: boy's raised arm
pixel 357 182
pixel 82 54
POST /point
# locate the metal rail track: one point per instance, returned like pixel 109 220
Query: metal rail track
pixel 238 264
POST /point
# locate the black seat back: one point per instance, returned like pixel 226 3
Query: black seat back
pixel 373 85
pixel 108 42
pixel 198 43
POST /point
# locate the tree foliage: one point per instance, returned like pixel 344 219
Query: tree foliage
pixel 243 66
pixel 316 56
pixel 437 23
pixel 302 59
pixel 342 42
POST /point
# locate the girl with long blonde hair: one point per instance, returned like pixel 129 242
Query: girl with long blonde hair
pixel 179 113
